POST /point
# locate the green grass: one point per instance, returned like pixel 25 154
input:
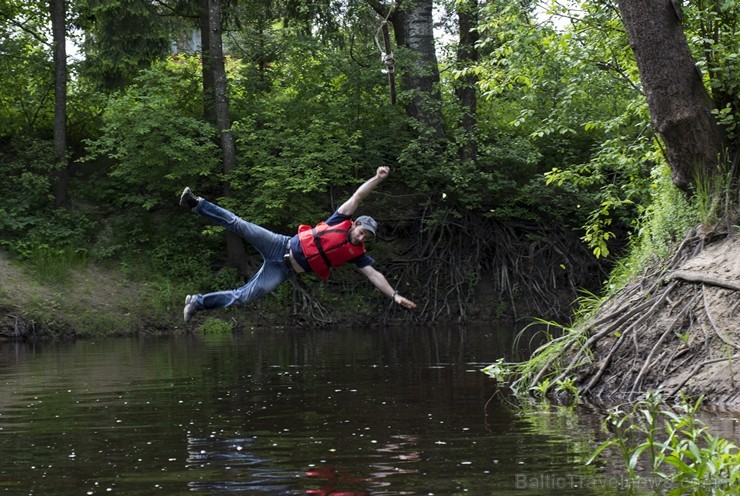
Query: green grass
pixel 53 265
pixel 214 325
pixel 713 196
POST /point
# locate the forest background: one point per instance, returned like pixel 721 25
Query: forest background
pixel 526 155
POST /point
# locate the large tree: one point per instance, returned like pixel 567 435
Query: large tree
pixel 413 26
pixel 467 55
pixel 59 33
pixel 680 106
pixel 217 104
pixel 121 39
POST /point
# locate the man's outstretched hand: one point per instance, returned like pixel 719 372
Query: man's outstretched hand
pixel 404 302
pixel 383 172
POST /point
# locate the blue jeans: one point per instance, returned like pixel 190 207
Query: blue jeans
pixel 271 246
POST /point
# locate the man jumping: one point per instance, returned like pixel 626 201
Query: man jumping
pixel 331 243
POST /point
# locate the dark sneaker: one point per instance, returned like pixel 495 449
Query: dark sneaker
pixel 188 199
pixel 189 309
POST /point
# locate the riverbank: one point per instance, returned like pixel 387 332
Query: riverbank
pixel 673 328
pixel 684 332
pixel 88 301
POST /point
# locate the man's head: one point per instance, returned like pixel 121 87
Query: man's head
pixel 362 230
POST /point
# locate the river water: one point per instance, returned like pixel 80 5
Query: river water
pixel 288 412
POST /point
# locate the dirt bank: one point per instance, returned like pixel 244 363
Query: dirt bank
pixel 91 301
pixel 676 329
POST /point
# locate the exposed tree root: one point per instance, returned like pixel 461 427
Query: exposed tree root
pixel 306 305
pixel 669 330
pixel 465 267
pixel 704 279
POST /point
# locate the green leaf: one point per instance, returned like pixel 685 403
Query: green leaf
pixel 636 456
pixel 679 464
pixel 598 451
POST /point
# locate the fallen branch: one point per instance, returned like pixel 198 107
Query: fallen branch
pixel 704 279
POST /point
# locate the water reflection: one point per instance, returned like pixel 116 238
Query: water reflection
pixel 284 412
pixel 204 451
pixel 337 482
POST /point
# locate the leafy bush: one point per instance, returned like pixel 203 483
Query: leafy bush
pixel 664 221
pixel 213 325
pixel 153 140
pixel 28 218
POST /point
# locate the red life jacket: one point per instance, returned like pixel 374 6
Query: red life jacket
pixel 326 246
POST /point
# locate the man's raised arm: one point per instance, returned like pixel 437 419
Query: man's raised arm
pixel 350 206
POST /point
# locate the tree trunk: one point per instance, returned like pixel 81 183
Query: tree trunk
pixel 680 106
pixel 393 11
pixel 223 122
pixel 209 101
pixel 58 28
pixel 423 72
pixel 467 55
pixel 234 244
pixel 413 27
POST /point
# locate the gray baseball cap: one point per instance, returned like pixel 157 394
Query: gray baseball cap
pixel 367 223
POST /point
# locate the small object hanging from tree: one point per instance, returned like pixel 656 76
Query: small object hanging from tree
pixel 387 58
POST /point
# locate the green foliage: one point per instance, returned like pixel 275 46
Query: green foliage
pixel 714 36
pixel 498 370
pixel 54 264
pixel 28 219
pixel 124 37
pixel 677 445
pixel 567 388
pixel 26 70
pixel 303 145
pixel 530 374
pixel 558 75
pixel 309 164
pixel 564 389
pixel 663 223
pixel 27 166
pixel 619 174
pixel 45 312
pixel 540 84
pixel 153 139
pixel 541 388
pixel 213 325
